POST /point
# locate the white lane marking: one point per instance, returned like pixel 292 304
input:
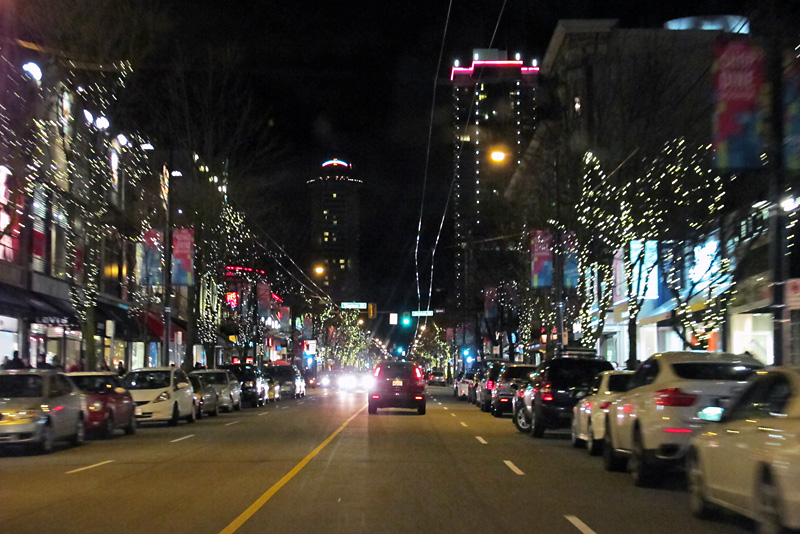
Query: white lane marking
pixel 183 438
pixel 453 414
pixel 263 413
pixel 463 424
pixel 231 423
pixel 284 408
pixel 88 467
pixel 481 440
pixel 446 408
pixel 513 467
pixel 580 525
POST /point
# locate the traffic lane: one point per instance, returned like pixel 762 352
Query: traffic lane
pixel 563 478
pixel 159 472
pixel 397 471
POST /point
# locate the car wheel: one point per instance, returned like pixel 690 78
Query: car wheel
pixel 46 440
pixel 612 460
pixel 698 504
pixel 537 425
pixel 641 467
pixel 176 416
pixel 372 409
pixel 191 417
pixel 238 405
pixel 216 409
pixel 769 509
pixel 573 434
pixel 80 433
pixel 593 446
pixel 496 411
pixel 521 420
pixel 421 409
pixel 108 426
pixel 229 407
pixel 198 413
pixel 131 428
pixel 485 406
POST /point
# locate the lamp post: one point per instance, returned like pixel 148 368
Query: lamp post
pixel 165 178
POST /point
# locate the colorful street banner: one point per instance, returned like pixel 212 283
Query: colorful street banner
pixel 571 278
pixel 738 82
pixel 148 259
pixel 541 259
pixel 183 257
pixel 791 113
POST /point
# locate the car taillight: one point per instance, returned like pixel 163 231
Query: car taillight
pixel 376 396
pixel 418 373
pixel 674 397
pixel 547 392
pixel 377 372
pixel 489 384
pixel 605 405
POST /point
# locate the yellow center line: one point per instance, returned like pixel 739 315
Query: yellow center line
pixel 261 501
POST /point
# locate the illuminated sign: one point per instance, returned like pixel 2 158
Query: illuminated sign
pixel 336 162
pixel 232 299
pixel 354 305
pixel 492 63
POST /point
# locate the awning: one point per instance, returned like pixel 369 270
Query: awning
pixel 13 301
pixel 52 311
pixel 155 324
pixel 126 327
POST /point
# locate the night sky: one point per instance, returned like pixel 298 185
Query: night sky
pixel 355 80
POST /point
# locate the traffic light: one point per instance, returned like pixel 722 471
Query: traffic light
pixel 406 320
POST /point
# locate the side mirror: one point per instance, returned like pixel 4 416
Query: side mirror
pixel 120 391
pixel 182 385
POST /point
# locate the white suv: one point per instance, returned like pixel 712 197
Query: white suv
pixel 651 424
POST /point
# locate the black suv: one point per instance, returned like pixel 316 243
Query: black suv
pixel 397 385
pixel 558 384
pixel 511 377
pixel 254 384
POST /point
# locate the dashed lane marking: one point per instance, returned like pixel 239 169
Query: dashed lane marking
pixel 463 424
pixel 183 438
pixel 231 423
pixel 88 467
pixel 513 467
pixel 580 525
pixel 481 440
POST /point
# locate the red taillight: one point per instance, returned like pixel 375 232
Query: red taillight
pixel 605 405
pixel 678 430
pixel 489 384
pixel 674 397
pixel 546 390
pixel 377 372
pixel 418 397
pixel 418 373
pixel 504 399
pixel 376 396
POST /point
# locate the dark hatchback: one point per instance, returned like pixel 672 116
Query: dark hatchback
pixel 254 384
pixel 397 385
pixel 558 384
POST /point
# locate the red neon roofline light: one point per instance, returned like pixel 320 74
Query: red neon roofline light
pixel 335 161
pixel 492 63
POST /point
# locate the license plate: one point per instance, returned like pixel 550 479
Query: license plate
pixel 397 383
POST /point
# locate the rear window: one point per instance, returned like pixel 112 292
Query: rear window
pixel 394 370
pixel 93 383
pixel 215 378
pixel 714 371
pixel 494 372
pixel 618 382
pixel 569 372
pixel 283 372
pixel 22 385
pixel 518 372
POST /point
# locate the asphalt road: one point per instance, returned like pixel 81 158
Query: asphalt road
pixel 321 464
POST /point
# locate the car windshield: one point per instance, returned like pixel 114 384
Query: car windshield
pixel 147 380
pixel 93 383
pixel 618 382
pixel 518 372
pixel 574 372
pixel 397 370
pixel 215 378
pixel 714 370
pixel 14 386
pixel 285 373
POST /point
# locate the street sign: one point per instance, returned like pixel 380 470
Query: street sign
pixel 392 318
pixel 354 305
pixel 422 313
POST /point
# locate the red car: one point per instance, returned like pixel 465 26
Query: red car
pixel 109 405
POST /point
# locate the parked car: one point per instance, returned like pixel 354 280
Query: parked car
pixel 227 386
pixel 748 461
pixel 39 407
pixel 161 394
pixel 273 388
pixel 520 414
pixel 463 383
pixel 109 405
pixel 558 384
pixel 286 377
pixel 251 380
pixel 589 415
pixel 397 385
pixel 456 380
pixel 483 391
pixel 206 398
pixel 300 383
pixel 653 422
pixel 508 381
pixel 472 392
pixel 437 378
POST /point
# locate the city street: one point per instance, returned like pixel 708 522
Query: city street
pixel 322 464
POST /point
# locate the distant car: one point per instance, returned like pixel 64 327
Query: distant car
pixel 39 407
pixel 354 381
pixel 472 390
pixel 748 461
pixel 300 383
pixel 508 381
pixel 311 379
pixel 397 385
pixel 558 384
pixel 108 404
pixel 651 424
pixel 161 394
pixel 437 378
pixel 520 413
pixel 227 386
pixel 589 415
pixel 251 379
pixel 273 388
pixel 205 396
pixel 326 380
pixel 487 383
pixel 463 383
pixel 286 377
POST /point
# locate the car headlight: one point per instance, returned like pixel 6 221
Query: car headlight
pixel 163 397
pixel 249 384
pixel 22 416
pixel 96 407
